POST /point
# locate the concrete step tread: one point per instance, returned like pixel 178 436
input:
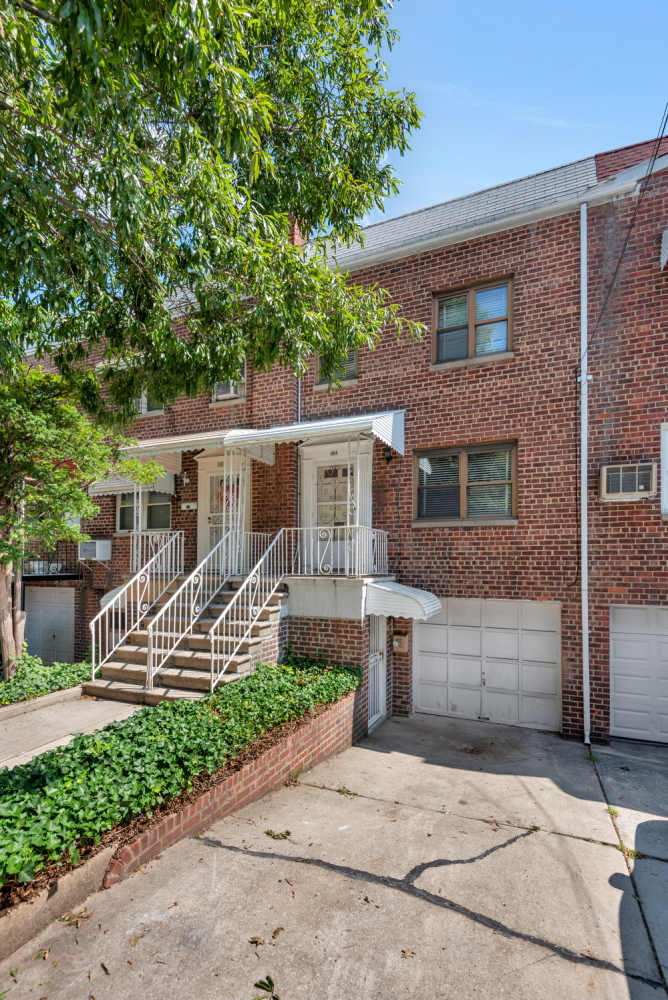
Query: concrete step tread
pixel 139 637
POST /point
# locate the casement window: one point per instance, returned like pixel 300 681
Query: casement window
pixel 147 406
pixel 231 389
pixel 472 483
pixel 473 323
pixel 156 511
pixel 348 371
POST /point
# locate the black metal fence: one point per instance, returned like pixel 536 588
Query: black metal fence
pixel 59 562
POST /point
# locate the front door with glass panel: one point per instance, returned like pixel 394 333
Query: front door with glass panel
pixel 335 510
pixel 223 498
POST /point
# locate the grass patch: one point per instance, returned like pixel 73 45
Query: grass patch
pixel 34 678
pixel 68 797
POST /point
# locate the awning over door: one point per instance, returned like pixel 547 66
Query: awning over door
pixel 390 598
pixel 259 443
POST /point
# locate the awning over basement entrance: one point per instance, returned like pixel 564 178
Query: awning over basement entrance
pixel 259 443
pixel 390 598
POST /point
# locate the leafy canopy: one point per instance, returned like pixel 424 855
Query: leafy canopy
pixel 151 154
pixel 49 453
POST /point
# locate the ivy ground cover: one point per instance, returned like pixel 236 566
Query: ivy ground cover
pixel 68 797
pixel 34 678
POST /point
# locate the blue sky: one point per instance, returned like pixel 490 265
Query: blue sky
pixel 509 89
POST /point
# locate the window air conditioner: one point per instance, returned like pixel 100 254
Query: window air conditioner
pixel 226 390
pixel 97 548
pixel 622 483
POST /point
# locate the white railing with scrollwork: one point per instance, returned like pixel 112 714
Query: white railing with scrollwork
pixel 351 551
pixel 123 613
pixel 144 545
pixel 232 556
pixel 342 551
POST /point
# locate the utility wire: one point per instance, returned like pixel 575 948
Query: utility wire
pixel 643 188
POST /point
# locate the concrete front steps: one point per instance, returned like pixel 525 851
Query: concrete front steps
pixel 187 671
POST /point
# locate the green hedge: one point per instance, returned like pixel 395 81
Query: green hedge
pixel 34 678
pixel 70 796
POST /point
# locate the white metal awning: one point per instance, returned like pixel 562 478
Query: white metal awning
pixel 390 598
pixel 111 487
pixel 259 443
pixel 387 427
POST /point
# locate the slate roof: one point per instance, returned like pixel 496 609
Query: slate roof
pixel 503 201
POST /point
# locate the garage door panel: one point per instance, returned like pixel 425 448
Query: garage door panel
pixel 541 712
pixel 433 639
pixel 631 618
pixel 464 701
pixel 465 612
pixel 541 648
pixel 541 616
pixel 433 668
pixel 539 680
pixel 502 645
pixel 442 617
pixel 503 662
pixel 433 698
pixel 467 672
pixel 631 650
pixel 467 642
pixel 635 683
pixel 502 675
pixel 502 707
pixel 630 721
pixel 502 614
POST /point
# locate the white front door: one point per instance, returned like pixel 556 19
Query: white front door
pixel 639 672
pixel 499 661
pixel 50 623
pixel 377 670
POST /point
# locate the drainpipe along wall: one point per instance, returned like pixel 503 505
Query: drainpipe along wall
pixel 584 464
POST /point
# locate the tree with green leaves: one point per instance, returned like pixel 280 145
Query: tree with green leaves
pixel 152 156
pixel 49 453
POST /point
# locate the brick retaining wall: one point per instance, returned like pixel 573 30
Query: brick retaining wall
pixel 313 742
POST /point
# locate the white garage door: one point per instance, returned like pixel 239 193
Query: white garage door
pixel 50 623
pixel 494 660
pixel 639 672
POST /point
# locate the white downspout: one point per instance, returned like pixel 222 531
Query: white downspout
pixel 584 466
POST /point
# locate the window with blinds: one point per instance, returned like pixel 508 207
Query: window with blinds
pixel 348 371
pixel 476 483
pixel 473 323
pixel 146 405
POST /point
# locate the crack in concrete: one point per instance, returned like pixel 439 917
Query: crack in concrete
pixel 403 885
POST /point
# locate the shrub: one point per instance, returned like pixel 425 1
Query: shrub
pixel 34 678
pixel 71 795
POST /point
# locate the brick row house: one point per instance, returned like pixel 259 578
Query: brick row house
pixel 423 520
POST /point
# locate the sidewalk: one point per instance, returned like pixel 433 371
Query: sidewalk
pixel 25 736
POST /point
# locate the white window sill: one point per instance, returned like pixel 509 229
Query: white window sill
pixel 345 383
pixel 467 522
pixel 464 362
pixel 153 413
pixel 219 403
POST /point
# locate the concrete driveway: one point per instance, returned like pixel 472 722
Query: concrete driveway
pixel 437 859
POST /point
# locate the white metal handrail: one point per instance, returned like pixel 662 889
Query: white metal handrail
pixel 146 544
pixel 353 550
pixel 235 623
pixel 112 625
pixel 232 556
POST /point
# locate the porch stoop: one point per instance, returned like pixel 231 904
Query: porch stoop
pixel 187 672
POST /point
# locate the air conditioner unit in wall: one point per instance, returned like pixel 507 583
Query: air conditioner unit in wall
pixel 624 483
pixel 97 548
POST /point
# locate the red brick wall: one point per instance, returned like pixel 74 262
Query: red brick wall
pixel 400 668
pixel 275 491
pixel 345 641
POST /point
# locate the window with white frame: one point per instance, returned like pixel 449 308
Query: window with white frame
pixel 234 388
pixel 147 406
pixel 156 511
pixel 126 507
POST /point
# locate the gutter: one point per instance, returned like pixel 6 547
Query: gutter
pixel 584 378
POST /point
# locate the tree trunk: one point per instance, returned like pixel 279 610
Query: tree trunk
pixel 7 640
pixel 18 616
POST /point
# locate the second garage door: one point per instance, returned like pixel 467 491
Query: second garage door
pixel 494 660
pixel 639 672
pixel 50 623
